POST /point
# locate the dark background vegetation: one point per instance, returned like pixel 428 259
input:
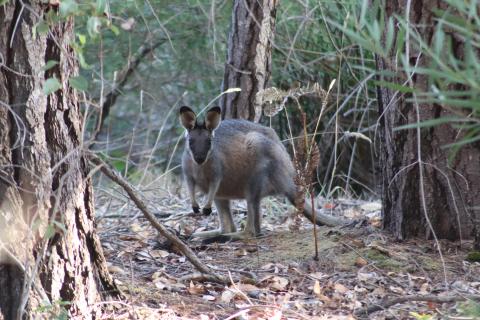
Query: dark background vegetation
pixel 186 68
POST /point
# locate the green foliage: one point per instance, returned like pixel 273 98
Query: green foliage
pixel 51 85
pixel 470 309
pixel 57 310
pixel 421 316
pixel 49 65
pixel 79 83
pixel 453 77
pixel 473 256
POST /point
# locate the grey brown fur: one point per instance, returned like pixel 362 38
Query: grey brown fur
pixel 236 159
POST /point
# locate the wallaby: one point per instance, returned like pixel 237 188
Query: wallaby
pixel 237 159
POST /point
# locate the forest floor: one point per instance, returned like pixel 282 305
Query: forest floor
pixel 276 276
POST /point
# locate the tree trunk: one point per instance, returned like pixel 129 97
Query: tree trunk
pixel 451 191
pixel 248 63
pixel 49 252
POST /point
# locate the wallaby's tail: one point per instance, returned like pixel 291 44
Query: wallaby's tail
pixel 320 218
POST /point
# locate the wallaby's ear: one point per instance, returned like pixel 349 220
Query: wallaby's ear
pixel 187 117
pixel 213 118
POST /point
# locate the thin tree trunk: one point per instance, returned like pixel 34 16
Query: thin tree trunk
pixel 49 251
pixel 452 191
pixel 248 64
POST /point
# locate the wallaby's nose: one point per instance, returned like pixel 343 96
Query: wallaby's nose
pixel 199 160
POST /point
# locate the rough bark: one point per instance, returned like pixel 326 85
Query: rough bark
pixel 49 251
pixel 248 64
pixel 452 191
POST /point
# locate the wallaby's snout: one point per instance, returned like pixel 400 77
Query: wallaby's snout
pixel 199 144
pixel 199 135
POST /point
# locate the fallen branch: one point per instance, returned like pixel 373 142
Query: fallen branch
pixel 182 247
pixel 431 298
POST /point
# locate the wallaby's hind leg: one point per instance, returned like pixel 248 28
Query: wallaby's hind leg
pixel 252 227
pixel 225 216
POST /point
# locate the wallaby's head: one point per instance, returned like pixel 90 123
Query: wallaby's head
pixel 199 134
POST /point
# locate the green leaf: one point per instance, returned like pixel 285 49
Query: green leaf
pixel 83 62
pixel 82 38
pixel 2 2
pixel 79 83
pixel 60 226
pixel 42 27
pixel 115 29
pixel 390 35
pixel 68 8
pixel 49 65
pixel 394 86
pixel 463 142
pixel 49 231
pixel 428 123
pixel 51 85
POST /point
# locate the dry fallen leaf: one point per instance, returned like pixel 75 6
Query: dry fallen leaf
pixel 366 276
pixel 357 243
pixel 159 253
pixel 116 269
pixel 135 227
pixel 340 288
pixel 195 289
pixel 208 297
pixel 360 262
pixel 276 283
pixel 318 275
pixel 316 288
pixel 227 295
pixel 279 283
pixel 397 290
pixel 240 252
pixel 168 284
pixel 424 288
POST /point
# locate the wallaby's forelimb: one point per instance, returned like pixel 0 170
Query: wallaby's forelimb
pixel 212 190
pixel 191 192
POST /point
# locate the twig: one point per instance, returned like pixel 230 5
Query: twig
pixel 132 193
pixel 432 298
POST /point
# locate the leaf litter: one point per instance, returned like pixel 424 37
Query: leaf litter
pixel 278 278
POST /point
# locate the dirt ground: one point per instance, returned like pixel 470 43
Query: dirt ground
pixel 277 276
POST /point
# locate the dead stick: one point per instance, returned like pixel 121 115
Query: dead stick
pixel 189 254
pixel 432 298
